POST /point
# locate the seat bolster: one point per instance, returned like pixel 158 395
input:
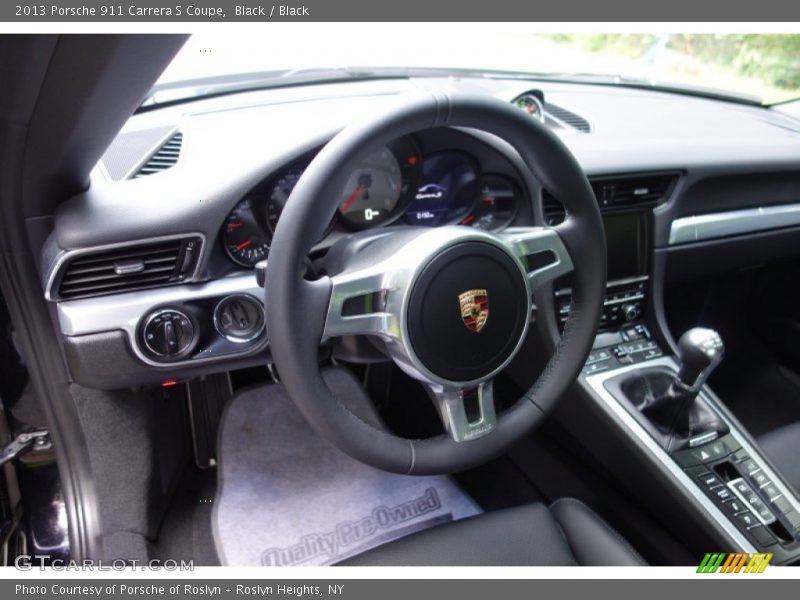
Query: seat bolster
pixel 592 541
pixel 782 445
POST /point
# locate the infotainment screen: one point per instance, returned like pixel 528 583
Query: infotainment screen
pixel 626 240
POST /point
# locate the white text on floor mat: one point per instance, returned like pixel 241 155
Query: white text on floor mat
pixel 346 535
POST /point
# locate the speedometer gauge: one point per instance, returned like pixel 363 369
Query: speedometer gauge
pixel 279 194
pixel 245 240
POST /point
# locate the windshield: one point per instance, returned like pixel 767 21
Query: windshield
pixel 762 67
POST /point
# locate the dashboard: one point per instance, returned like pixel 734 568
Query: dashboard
pixel 150 272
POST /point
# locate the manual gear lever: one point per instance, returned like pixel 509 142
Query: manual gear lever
pixel 673 408
pixel 700 350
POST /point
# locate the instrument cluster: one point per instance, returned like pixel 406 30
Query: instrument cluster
pixel 397 184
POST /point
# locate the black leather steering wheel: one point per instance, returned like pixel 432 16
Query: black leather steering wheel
pixel 425 292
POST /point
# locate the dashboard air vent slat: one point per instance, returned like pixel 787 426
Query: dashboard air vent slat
pixel 633 190
pixel 112 277
pixel 567 117
pixel 642 189
pixel 617 193
pixel 129 268
pixel 164 158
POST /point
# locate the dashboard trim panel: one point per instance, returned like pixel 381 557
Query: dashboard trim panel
pixel 124 312
pixel 731 223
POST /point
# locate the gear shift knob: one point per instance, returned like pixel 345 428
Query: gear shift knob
pixel 700 351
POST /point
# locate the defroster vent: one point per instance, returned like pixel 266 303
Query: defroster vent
pixel 164 158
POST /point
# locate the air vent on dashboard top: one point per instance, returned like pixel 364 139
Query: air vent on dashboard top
pixel 567 117
pixel 127 268
pixel 164 158
pixel 617 193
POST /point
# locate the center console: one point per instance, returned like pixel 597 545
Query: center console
pixel 720 470
pixel 660 400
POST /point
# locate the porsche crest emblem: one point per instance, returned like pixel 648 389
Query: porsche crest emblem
pixel 474 306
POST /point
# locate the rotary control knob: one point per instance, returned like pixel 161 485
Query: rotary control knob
pixel 169 333
pixel 239 318
pixel 630 311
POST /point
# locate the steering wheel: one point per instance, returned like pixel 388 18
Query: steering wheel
pixel 452 304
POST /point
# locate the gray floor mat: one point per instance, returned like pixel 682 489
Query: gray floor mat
pixel 287 497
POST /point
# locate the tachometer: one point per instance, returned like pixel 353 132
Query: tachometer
pixel 381 186
pixel 245 240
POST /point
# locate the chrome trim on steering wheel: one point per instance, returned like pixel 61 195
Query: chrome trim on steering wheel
pixel 531 241
pixel 385 287
pixel 452 410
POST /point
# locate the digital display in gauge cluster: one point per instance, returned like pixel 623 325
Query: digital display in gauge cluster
pixel 452 191
pixel 447 192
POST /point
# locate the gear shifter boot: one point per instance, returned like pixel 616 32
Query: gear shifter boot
pixel 672 415
pixel 677 414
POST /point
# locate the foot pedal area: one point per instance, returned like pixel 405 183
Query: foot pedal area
pixel 207 398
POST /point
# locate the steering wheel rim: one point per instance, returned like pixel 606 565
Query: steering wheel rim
pixel 297 309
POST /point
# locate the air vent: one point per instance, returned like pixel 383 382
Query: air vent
pixel 567 117
pixel 164 158
pixel 554 212
pixel 128 268
pixel 617 193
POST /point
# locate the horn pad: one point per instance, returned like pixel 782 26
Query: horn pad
pixel 467 311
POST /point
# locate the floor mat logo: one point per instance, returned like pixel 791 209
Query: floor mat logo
pixel 348 534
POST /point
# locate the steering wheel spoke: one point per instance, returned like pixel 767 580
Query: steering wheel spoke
pixel 358 304
pixel 542 251
pixel 467 412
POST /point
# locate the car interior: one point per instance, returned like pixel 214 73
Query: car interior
pixel 405 318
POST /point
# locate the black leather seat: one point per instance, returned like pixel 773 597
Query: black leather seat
pixel 783 448
pixel 567 533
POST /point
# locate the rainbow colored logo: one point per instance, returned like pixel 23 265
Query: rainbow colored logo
pixel 739 562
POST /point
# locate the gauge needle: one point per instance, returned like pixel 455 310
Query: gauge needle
pixel 349 202
pixel 244 245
